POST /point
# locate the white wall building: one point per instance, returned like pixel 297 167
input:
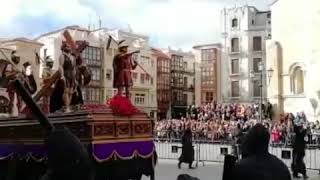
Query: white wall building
pixel 294 54
pixel 245 30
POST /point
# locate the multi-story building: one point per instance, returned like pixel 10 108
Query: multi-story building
pixel 25 48
pixel 96 56
pixel 293 53
pixel 209 57
pixel 245 30
pixel 144 90
pixel 163 83
pixel 182 69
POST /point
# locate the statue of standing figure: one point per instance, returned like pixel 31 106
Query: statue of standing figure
pixel 123 64
pixel 67 63
pixel 11 73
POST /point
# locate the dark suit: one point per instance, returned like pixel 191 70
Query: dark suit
pixel 299 146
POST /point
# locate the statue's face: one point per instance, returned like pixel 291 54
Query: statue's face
pixel 124 49
pixel 16 59
pixel 67 49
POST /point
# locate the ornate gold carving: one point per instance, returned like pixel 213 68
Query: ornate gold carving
pixel 142 128
pixel 104 129
pixel 123 129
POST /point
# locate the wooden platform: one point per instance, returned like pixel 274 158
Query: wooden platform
pixel 100 125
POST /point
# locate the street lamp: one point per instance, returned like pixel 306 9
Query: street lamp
pixel 270 73
pixel 252 75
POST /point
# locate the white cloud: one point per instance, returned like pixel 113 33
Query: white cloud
pixel 179 23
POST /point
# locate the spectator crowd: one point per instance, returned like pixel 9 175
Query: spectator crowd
pixel 222 122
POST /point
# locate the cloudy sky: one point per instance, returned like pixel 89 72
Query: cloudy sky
pixel 175 23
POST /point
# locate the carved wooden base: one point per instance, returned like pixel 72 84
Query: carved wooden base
pixel 88 126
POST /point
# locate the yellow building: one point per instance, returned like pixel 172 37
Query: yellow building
pixel 294 54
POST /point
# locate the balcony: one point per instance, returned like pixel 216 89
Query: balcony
pixel 179 103
pixel 190 88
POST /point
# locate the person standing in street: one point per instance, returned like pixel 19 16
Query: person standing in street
pixel 187 155
pixel 299 146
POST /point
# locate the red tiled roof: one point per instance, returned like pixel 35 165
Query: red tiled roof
pixel 159 53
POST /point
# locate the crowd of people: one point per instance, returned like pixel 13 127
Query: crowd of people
pixel 222 122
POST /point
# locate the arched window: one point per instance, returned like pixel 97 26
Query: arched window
pixel 297 81
pixel 234 22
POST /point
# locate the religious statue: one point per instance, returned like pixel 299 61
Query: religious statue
pixel 46 77
pixel 11 73
pixel 123 64
pixel 67 69
pixel 73 74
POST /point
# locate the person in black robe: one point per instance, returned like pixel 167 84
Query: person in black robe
pixel 187 155
pixel 259 163
pixel 299 146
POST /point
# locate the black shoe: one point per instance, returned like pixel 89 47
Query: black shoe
pixel 296 176
pixel 305 177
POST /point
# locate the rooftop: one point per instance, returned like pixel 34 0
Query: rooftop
pixel 74 27
pixel 218 45
pixel 160 53
pixel 20 39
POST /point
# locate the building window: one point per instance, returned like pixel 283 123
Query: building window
pixel 235 45
pixel 269 15
pixel 139 99
pixel 142 78
pixel 256 88
pixel 108 74
pixel 45 52
pixel 134 76
pixel 151 81
pixel 235 89
pixel 185 99
pixel 256 62
pixel 234 22
pixel 252 22
pixel 257 43
pixel 95 74
pixel 92 56
pixel 209 97
pixel 297 81
pixel 207 55
pixel 185 65
pixel 235 66
pixel 185 82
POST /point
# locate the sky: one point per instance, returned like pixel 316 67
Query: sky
pixel 175 23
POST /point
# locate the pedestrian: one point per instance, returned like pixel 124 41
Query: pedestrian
pixel 259 163
pixel 187 155
pixel 299 146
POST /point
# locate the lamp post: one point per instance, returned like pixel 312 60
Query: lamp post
pixel 261 72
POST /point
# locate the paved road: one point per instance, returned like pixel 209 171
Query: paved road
pixel 168 170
